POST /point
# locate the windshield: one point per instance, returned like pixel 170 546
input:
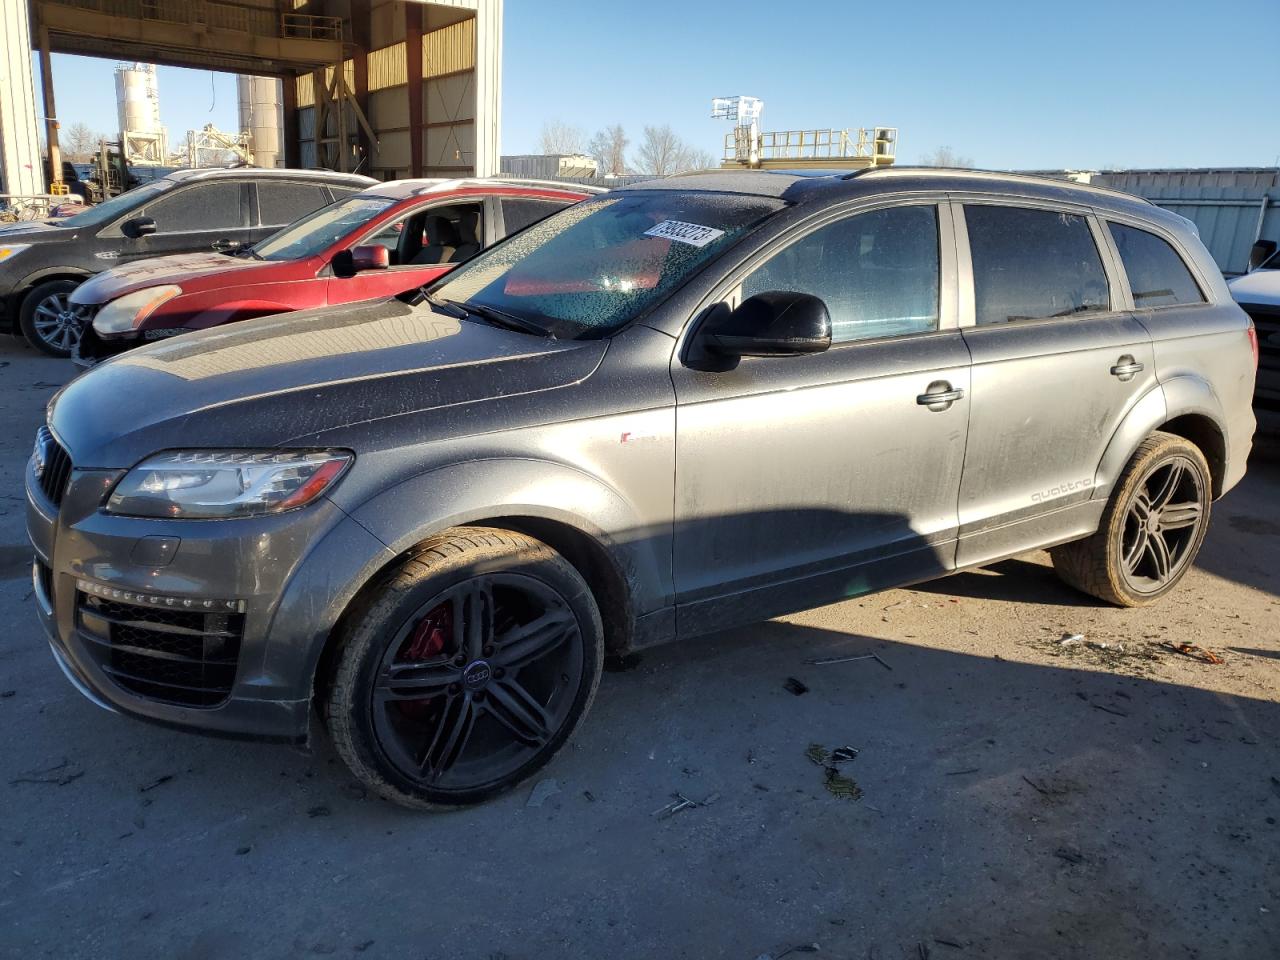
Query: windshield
pixel 316 233
pixel 110 209
pixel 1273 263
pixel 595 266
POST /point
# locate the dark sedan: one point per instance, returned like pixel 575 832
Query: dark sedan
pixel 185 212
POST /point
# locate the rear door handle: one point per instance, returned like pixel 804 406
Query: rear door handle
pixel 1127 368
pixel 939 395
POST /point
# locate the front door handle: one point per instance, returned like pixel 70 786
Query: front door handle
pixel 1127 368
pixel 939 395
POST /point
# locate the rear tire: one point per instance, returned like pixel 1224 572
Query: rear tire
pixel 49 321
pixel 466 671
pixel 1151 529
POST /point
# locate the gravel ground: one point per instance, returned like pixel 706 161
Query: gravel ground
pixel 1019 798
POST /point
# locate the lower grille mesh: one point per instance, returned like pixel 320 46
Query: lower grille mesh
pixel 178 656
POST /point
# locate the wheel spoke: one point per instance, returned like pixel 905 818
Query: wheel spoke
pixel 1169 486
pixel 46 310
pixel 415 681
pixel 1176 516
pixel 473 618
pixel 513 706
pixel 1141 507
pixel 451 736
pixel 1161 562
pixel 1133 554
pixel 535 639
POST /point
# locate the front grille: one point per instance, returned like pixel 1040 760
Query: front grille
pixel 57 466
pixel 1267 325
pixel 178 656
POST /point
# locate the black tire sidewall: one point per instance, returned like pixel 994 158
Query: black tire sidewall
pixel 363 655
pixel 1175 448
pixel 27 315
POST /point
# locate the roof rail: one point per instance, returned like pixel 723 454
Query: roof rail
pixel 571 186
pixel 994 175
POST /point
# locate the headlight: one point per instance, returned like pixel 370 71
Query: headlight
pixel 124 315
pixel 201 484
pixel 11 250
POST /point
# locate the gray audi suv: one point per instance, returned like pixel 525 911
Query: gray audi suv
pixel 674 408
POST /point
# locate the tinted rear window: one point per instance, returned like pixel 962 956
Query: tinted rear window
pixel 1158 276
pixel 1030 264
pixel 282 203
pixel 518 212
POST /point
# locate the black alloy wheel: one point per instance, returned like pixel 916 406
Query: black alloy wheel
pixel 467 671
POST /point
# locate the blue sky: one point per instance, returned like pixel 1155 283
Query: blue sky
pixel 1010 85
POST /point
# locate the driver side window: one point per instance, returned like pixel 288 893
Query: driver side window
pixel 877 272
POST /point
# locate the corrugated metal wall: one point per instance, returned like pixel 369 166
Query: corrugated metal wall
pixel 449 101
pixel 1231 207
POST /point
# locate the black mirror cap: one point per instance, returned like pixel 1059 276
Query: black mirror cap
pixel 1261 253
pixel 773 324
pixel 138 227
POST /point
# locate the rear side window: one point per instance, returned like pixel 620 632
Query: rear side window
pixel 281 203
pixel 1031 264
pixel 1158 276
pixel 206 206
pixel 519 213
pixel 876 272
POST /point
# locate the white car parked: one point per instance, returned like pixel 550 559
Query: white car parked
pixel 1258 292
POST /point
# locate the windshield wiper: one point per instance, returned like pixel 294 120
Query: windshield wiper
pixel 500 318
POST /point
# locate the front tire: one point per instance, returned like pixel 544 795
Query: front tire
pixel 49 321
pixel 1151 529
pixel 465 671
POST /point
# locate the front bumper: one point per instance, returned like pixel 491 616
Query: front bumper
pixel 133 634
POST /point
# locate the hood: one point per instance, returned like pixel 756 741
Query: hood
pixel 36 231
pixel 157 271
pixel 263 383
pixel 1261 286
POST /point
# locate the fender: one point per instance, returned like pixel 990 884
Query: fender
pixel 223 313
pixel 1178 396
pixel 48 273
pixel 486 490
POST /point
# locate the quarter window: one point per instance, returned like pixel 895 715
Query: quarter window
pixel 877 272
pixel 1158 276
pixel 1030 264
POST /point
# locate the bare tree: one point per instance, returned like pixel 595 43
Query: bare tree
pixel 79 142
pixel 609 147
pixel 560 138
pixel 662 153
pixel 698 159
pixel 946 157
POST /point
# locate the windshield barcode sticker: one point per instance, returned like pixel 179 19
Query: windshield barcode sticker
pixel 691 233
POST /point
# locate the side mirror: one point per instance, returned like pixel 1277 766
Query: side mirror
pixel 774 324
pixel 347 263
pixel 1260 253
pixel 138 227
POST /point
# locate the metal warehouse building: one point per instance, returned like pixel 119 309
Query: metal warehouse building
pixel 1233 207
pixel 394 88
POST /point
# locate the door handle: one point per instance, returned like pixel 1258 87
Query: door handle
pixel 939 395
pixel 1127 368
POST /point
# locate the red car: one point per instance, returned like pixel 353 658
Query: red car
pixel 382 241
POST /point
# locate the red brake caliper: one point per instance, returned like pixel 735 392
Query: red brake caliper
pixel 427 640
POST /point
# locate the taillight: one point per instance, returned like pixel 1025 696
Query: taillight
pixel 1253 343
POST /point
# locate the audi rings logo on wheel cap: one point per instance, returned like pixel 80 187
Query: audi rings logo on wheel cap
pixel 476 675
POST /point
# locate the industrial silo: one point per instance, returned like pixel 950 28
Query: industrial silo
pixel 138 110
pixel 261 115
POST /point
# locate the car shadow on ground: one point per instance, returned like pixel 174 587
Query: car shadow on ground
pixel 1007 808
